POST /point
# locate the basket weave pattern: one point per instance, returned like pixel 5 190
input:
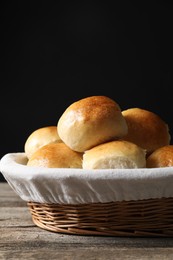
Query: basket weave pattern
pixel 142 218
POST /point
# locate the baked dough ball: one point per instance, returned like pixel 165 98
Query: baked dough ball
pixel 40 137
pixel 91 121
pixel 162 157
pixel 56 155
pixel 146 129
pixel 115 154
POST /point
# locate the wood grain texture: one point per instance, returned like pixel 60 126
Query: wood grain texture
pixel 21 239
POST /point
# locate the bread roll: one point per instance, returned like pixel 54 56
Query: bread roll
pixel 40 137
pixel 114 154
pixel 162 157
pixel 56 155
pixel 91 121
pixel 146 129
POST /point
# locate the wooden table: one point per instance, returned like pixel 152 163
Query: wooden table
pixel 21 239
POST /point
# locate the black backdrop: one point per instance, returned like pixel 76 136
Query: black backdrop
pixel 56 52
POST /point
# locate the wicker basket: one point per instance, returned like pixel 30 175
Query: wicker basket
pixel 137 202
pixel 144 218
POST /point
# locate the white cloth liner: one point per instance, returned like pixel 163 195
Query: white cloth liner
pixel 79 186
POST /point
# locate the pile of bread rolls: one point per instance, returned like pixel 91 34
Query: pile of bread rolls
pixel 94 133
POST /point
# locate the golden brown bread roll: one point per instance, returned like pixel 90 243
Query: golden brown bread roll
pixel 161 157
pixel 40 137
pixel 114 154
pixel 56 155
pixel 146 129
pixel 91 121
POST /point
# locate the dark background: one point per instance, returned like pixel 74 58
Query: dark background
pixel 55 53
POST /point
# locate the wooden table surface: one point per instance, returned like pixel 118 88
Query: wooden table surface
pixel 21 239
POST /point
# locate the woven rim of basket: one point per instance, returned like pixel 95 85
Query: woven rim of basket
pixel 151 217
